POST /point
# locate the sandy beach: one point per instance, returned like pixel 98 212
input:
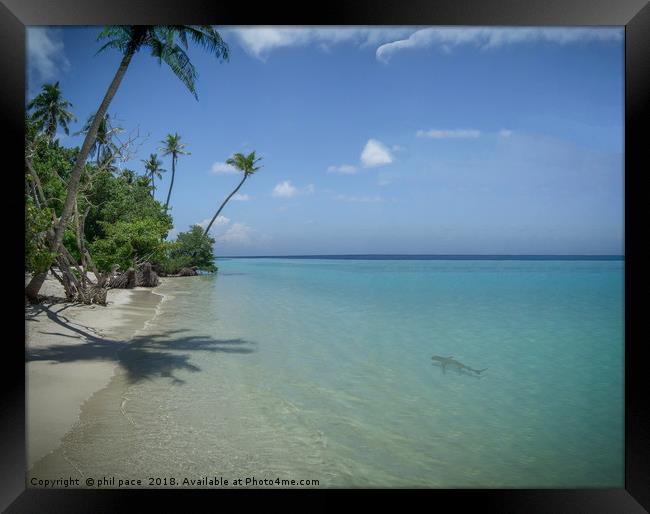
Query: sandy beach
pixel 71 352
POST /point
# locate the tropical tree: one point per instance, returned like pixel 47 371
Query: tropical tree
pixel 153 168
pixel 50 110
pixel 245 163
pixel 167 43
pixel 191 248
pixel 174 147
pixel 103 146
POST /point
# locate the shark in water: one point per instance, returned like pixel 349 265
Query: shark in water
pixel 450 361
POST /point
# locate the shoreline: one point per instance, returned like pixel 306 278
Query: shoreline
pixel 71 353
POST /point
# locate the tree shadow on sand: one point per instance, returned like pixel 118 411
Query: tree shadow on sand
pixel 142 357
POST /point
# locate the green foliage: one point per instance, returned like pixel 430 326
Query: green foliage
pixel 70 242
pixel 122 220
pixel 126 197
pixel 52 163
pixel 125 241
pixel 246 163
pixel 172 146
pixel 50 109
pixel 37 221
pixel 191 248
pixel 153 168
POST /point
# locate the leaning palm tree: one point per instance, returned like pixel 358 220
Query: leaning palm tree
pixel 50 110
pixel 174 147
pixel 245 163
pixel 153 168
pixel 168 44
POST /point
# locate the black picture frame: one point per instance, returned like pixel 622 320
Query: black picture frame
pixel 633 14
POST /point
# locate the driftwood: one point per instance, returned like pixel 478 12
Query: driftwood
pixel 141 276
pixel 78 286
pixel 146 276
pixel 188 272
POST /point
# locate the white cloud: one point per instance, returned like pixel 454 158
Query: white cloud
pixel 222 167
pixel 360 199
pixel 220 221
pixel 261 41
pixel 375 154
pixel 284 190
pixel 287 190
pixel 46 52
pixel 504 133
pixel 447 38
pixel 238 197
pixel 346 169
pixel 237 233
pixel 449 134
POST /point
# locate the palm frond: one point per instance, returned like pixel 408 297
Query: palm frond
pixel 245 163
pixel 206 37
pixel 181 66
pixel 118 37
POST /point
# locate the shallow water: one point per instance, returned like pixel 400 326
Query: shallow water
pixel 321 369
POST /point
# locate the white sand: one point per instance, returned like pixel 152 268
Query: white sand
pixel 70 357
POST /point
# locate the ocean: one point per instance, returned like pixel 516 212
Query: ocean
pixel 320 369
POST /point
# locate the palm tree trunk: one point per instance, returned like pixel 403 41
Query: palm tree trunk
pixel 171 184
pixel 51 128
pixel 75 176
pixel 207 229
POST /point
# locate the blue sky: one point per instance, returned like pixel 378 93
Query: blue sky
pixel 377 140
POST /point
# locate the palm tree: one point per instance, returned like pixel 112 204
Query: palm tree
pixel 129 39
pixel 51 110
pixel 174 147
pixel 245 163
pixel 103 146
pixel 153 167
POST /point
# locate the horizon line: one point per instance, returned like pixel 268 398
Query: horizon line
pixel 440 255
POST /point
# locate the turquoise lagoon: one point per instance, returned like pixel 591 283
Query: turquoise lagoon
pixel 321 369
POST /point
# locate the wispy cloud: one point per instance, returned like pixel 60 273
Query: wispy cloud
pixel 238 197
pixel 237 233
pixel 449 134
pixel 505 133
pixel 221 167
pixel 385 178
pixel 375 154
pixel 45 53
pixel 448 38
pixel 360 199
pixel 345 169
pixel 261 41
